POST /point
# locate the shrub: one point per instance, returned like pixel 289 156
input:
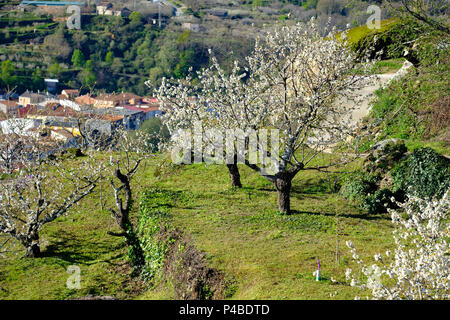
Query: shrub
pixel 425 173
pixel 392 41
pixel 380 201
pixel 358 186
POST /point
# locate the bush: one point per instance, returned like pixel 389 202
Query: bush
pixel 380 201
pixel 425 173
pixel 392 41
pixel 358 186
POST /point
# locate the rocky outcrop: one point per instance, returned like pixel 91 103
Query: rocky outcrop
pixel 384 156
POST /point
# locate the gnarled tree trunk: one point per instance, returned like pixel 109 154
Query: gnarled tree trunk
pixel 31 244
pixel 122 217
pixel 234 175
pixel 283 184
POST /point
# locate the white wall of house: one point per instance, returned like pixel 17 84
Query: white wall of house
pixel 19 126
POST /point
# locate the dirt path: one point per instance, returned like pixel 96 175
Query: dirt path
pixel 366 94
pixel 361 106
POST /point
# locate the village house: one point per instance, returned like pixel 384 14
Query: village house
pixel 150 111
pixel 114 100
pixel 70 93
pixel 108 9
pixel 31 98
pixel 9 108
pixel 122 12
pixel 129 119
pixel 102 7
pixel 61 135
pixel 56 117
pixel 194 27
pixel 86 100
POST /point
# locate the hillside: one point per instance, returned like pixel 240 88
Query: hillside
pixel 116 211
pixel 266 256
pixel 134 49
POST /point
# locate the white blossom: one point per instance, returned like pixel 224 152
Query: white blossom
pixel 419 265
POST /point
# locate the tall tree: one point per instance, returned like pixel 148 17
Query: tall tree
pixel 54 70
pixel 7 72
pixel 292 83
pixel 78 58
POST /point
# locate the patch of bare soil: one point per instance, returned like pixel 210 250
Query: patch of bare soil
pixel 187 269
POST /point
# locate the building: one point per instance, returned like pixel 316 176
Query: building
pixel 102 7
pixel 9 108
pixel 119 116
pixel 52 85
pixel 70 104
pixel 52 3
pixel 70 93
pixel 194 27
pixel 86 100
pixel 108 9
pixel 122 12
pixel 31 98
pixel 150 111
pixel 114 100
pixel 69 126
pixel 61 135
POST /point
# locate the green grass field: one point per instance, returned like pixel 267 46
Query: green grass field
pixel 268 256
pixel 357 33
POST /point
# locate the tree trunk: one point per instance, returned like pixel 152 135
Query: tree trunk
pixel 33 249
pixel 234 175
pixel 136 253
pixel 283 184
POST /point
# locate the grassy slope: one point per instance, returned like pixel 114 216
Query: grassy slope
pixel 269 256
pixel 405 108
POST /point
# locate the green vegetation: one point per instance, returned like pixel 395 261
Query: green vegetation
pixel 415 107
pixel 393 173
pixel 128 51
pixel 426 172
pixel 124 54
pixel 153 211
pixel 387 66
pixel 186 208
pixel 269 256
